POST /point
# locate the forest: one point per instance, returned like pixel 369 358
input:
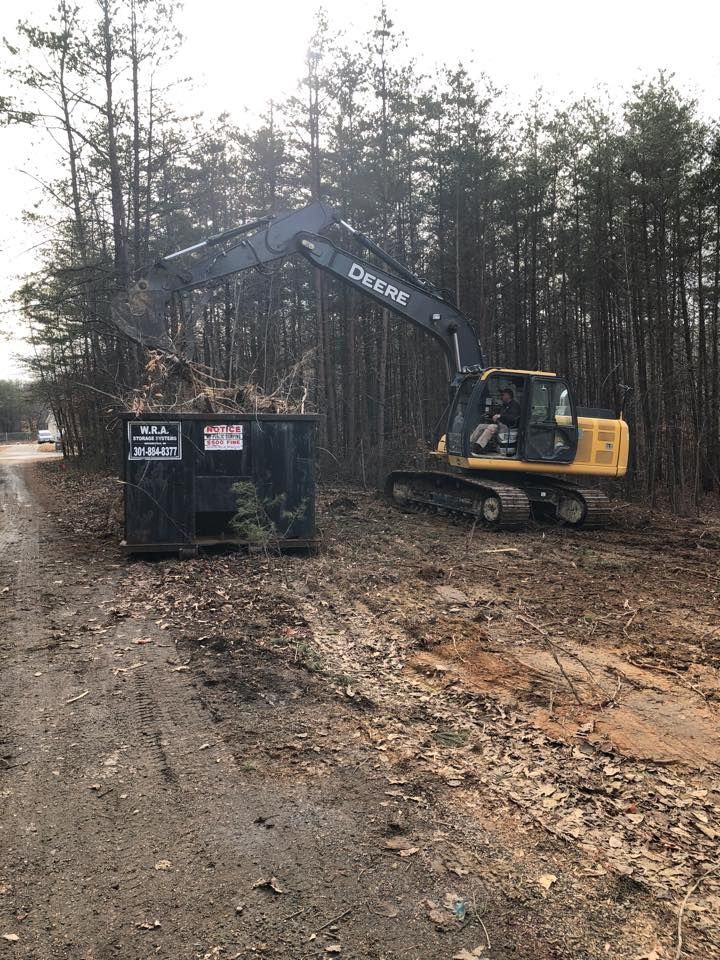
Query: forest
pixel 583 239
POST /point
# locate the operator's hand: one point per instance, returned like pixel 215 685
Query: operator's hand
pixel 496 417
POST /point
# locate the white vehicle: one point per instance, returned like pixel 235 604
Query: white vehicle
pixel 45 436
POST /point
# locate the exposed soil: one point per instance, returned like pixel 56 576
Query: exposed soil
pixel 428 740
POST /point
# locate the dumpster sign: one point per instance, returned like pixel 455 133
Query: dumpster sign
pixel 154 441
pixel 223 436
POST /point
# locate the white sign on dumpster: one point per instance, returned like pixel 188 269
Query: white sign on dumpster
pixel 223 436
pixel 154 440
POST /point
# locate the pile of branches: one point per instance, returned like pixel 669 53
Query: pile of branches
pixel 174 384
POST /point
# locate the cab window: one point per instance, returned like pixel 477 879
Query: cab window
pixel 458 417
pixel 552 428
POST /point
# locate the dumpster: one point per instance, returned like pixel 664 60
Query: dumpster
pixel 193 480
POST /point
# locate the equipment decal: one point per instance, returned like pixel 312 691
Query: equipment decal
pixel 367 279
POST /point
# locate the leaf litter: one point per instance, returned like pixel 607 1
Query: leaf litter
pixel 349 614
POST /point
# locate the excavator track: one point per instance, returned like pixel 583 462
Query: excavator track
pixel 567 503
pixel 496 504
pixel 500 504
pixel 598 510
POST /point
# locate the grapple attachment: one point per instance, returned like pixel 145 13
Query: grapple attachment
pixel 140 314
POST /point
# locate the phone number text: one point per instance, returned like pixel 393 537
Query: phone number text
pixel 154 451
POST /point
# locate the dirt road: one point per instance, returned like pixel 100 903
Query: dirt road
pixel 27 452
pixel 375 753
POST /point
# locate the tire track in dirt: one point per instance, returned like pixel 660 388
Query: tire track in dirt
pixel 147 710
pixel 104 781
pixel 19 527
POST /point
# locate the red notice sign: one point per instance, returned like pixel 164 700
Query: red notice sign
pixel 223 436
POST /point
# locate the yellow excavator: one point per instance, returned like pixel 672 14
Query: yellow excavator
pixel 539 440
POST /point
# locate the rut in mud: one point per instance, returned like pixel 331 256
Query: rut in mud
pixel 424 741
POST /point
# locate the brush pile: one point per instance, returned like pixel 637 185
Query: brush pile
pixel 176 385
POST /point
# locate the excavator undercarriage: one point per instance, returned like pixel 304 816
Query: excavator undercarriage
pixel 499 504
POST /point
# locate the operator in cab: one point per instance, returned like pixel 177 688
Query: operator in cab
pixel 509 415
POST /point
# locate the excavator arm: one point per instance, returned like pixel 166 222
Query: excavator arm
pixel 141 313
pixel 269 239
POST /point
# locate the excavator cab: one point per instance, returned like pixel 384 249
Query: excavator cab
pixel 546 431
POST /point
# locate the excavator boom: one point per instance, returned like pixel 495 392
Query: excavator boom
pixel 422 307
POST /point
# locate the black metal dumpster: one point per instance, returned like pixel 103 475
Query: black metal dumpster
pixel 179 471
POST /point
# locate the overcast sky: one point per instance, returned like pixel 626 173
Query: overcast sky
pixel 241 55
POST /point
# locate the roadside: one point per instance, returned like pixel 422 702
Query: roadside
pixel 386 738
pixel 27 452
